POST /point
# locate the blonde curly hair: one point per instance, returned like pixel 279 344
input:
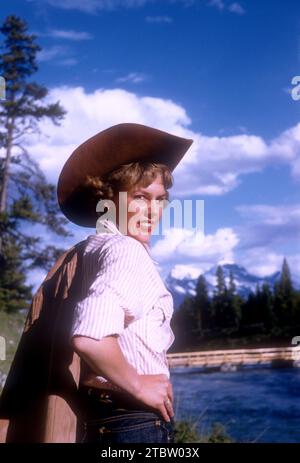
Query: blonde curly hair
pixel 125 177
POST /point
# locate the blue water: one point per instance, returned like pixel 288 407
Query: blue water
pixel 255 405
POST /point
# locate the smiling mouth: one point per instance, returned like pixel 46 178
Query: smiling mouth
pixel 145 224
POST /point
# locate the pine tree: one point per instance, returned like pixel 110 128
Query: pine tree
pixel 15 294
pixel 203 315
pixel 267 307
pixel 285 282
pixel 25 197
pixel 256 315
pixel 220 285
pixel 183 325
pixel 236 302
pixel 284 298
pixel 219 299
pixel 226 303
pixel 248 311
pixel 232 285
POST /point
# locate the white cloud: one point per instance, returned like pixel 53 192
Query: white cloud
pixel 214 164
pixel 271 215
pixel 265 225
pixel 219 162
pixel 47 54
pixel 92 6
pixel 133 77
pixel 236 8
pixel 95 6
pixel 194 246
pixel 67 62
pixel 67 34
pixel 219 4
pixel 181 271
pixel 251 244
pixel 189 255
pixel 286 147
pixel 57 55
pixel 263 262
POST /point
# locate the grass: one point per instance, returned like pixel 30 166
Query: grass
pixel 186 433
pixel 192 430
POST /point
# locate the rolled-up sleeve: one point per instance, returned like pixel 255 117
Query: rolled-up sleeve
pixel 115 293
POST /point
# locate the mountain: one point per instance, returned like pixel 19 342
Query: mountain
pixel 184 285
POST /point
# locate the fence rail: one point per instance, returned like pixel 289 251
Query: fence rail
pixel 215 358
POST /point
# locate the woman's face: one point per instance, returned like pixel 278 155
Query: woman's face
pixel 144 206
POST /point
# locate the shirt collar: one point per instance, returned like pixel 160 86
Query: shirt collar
pixel 111 226
pixel 108 225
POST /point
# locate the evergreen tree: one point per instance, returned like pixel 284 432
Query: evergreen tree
pixel 220 284
pixel 267 307
pixel 25 195
pixel 203 315
pixel 225 303
pixel 220 299
pixel 284 298
pixel 297 310
pixel 285 282
pixel 257 311
pixel 257 315
pixel 236 302
pixel 248 310
pixel 262 310
pixel 183 325
pixel 15 294
pixel 232 285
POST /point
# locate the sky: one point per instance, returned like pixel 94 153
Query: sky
pixel 216 71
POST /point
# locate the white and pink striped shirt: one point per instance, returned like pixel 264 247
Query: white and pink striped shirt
pixel 125 295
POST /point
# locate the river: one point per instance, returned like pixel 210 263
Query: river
pixel 254 404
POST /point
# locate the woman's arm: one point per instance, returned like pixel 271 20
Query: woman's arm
pixel 105 356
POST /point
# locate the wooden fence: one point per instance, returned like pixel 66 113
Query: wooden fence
pixel 236 357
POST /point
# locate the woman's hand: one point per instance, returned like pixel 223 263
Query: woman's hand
pixel 105 358
pixel 153 391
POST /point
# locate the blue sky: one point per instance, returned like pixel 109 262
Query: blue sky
pixel 217 71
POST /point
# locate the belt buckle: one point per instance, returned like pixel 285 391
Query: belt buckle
pixel 98 394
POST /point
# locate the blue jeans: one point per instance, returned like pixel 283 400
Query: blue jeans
pixel 107 422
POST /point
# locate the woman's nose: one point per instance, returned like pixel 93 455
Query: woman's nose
pixel 154 211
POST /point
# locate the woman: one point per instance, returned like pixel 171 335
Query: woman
pixel 120 320
pixel 121 327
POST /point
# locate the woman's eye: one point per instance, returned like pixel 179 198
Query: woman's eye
pixel 157 201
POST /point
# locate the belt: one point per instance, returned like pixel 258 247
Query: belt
pixel 101 393
pixel 113 397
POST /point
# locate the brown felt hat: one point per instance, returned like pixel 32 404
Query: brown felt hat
pixel 106 151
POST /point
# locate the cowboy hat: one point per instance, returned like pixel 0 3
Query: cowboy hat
pixel 104 152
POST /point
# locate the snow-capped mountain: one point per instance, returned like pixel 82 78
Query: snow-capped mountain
pixel 182 285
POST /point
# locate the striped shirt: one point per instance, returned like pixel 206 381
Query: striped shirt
pixel 124 294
